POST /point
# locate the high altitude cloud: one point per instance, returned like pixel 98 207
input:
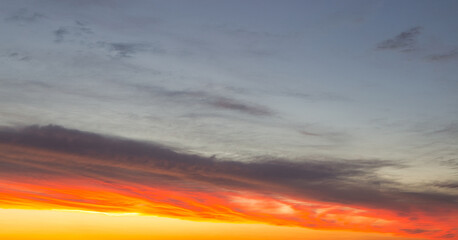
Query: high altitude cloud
pixel 452 54
pixel 127 49
pixel 405 41
pixel 204 98
pixel 24 15
pixel 54 167
pixel 60 34
pixel 76 30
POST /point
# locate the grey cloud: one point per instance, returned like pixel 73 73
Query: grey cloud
pixel 231 104
pixel 307 133
pixel 206 98
pixel 82 27
pixel 60 33
pixel 18 56
pixel 126 49
pixel 113 159
pixel 75 31
pixel 331 136
pixel 84 3
pixel 452 54
pixel 450 184
pixel 453 163
pixel 25 16
pixel 451 128
pixel 405 41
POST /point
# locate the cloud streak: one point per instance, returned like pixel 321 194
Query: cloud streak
pixel 126 49
pixel 53 167
pixel 207 99
pixel 405 41
pixel 25 16
pixel 79 29
pixel 452 54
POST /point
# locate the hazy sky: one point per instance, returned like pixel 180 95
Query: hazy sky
pixel 246 81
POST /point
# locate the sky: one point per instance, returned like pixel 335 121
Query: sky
pixel 229 119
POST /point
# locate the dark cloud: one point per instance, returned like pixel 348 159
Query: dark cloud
pixel 451 184
pixel 415 231
pixel 353 182
pixel 451 163
pixel 25 16
pixel 307 133
pixel 84 4
pixel 18 56
pixel 206 98
pixel 405 41
pixel 231 104
pixel 75 31
pixel 60 33
pixel 452 54
pixel 449 235
pixel 451 128
pixel 126 49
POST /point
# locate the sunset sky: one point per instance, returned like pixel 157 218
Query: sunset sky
pixel 316 120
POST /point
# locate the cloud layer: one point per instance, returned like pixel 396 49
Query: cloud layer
pixel 54 167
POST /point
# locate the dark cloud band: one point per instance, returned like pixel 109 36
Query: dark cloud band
pixel 349 182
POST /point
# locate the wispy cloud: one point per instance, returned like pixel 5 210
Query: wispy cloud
pixel 404 42
pixel 450 184
pixel 142 174
pixel 207 99
pixel 452 54
pixel 18 56
pixel 77 30
pixel 24 15
pixel 59 34
pixel 231 104
pixel 123 49
pixel 452 163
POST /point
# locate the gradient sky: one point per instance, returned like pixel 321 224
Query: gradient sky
pixel 332 119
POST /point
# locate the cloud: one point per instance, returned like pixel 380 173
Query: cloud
pixel 450 184
pixel 39 163
pixel 76 31
pixel 332 137
pixel 23 15
pixel 451 163
pixel 404 42
pixel 128 49
pixel 124 49
pixel 308 133
pixel 18 56
pixel 60 33
pixel 231 104
pixel 415 231
pixel 448 235
pixel 207 99
pixel 452 54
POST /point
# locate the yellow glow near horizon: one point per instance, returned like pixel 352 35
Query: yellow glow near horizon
pixel 16 224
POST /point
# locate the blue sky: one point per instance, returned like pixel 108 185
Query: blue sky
pixel 244 80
